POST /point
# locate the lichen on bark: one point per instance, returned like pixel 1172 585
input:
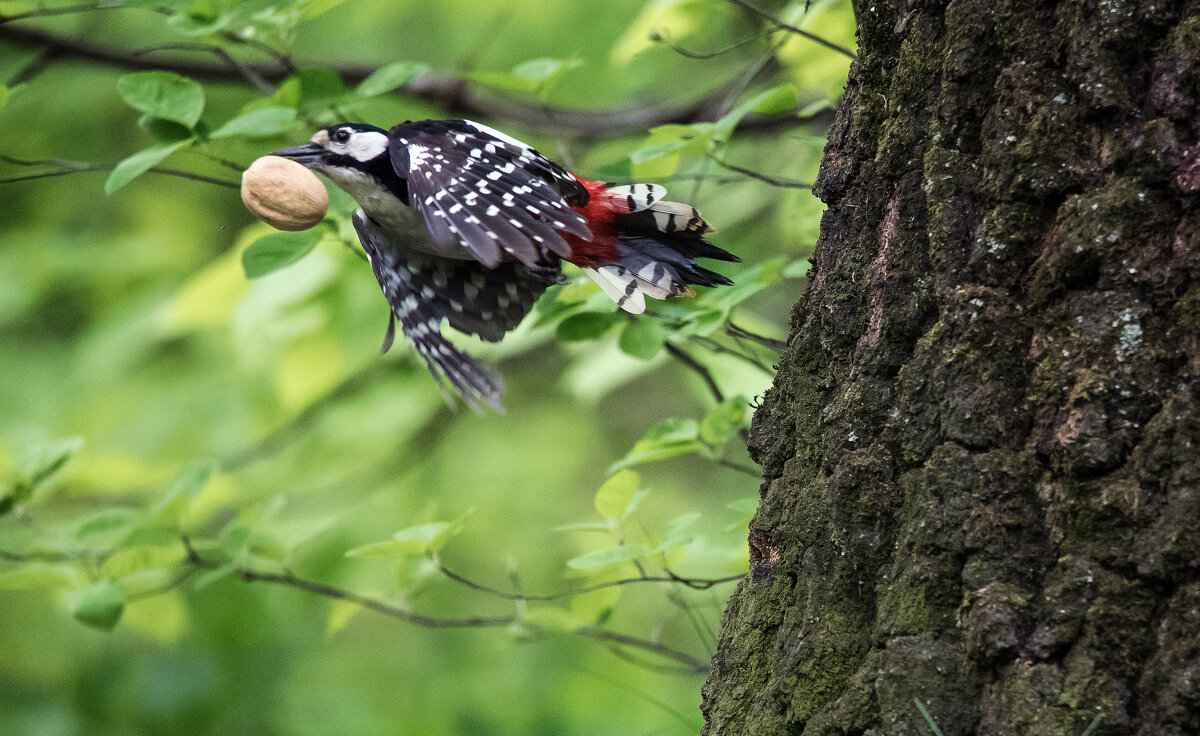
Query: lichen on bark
pixel 980 455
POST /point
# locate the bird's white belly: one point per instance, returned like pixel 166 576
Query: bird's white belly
pixel 403 225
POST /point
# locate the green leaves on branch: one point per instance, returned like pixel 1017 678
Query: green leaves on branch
pixel 660 154
pixel 41 463
pixel 390 77
pixel 260 123
pixel 277 250
pixel 674 437
pixel 99 605
pixel 415 540
pixel 165 95
pixel 534 75
pixel 141 162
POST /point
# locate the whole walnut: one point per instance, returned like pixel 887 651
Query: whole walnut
pixel 284 194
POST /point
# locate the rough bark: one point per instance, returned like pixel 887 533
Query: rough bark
pixel 980 455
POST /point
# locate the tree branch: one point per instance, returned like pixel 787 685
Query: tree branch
pixel 695 583
pixel 775 21
pixel 74 167
pixel 452 94
pixel 700 369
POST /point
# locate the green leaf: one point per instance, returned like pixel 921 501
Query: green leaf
pixel 415 540
pixel 319 85
pixel 141 557
pixel 260 123
pixel 677 535
pixel 609 556
pixel 201 18
pixel 656 150
pixel 643 338
pixel 3 96
pixel 386 548
pixel 813 108
pixel 106 528
pixel 99 606
pixel 40 576
pixel 544 68
pixel 775 100
pixel 272 252
pixel 389 77
pixel 315 8
pixel 186 485
pixel 585 326
pixel 139 163
pixel 668 438
pixel 164 95
pixel 723 421
pixel 205 579
pixel 528 76
pixel 616 493
pixel 164 131
pixel 40 463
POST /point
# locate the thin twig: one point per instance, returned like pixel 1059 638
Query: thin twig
pixel 775 181
pixel 453 94
pixel 709 54
pixel 752 472
pixel 700 369
pixel 403 614
pixel 47 12
pixel 775 21
pixel 71 167
pixel 695 583
pixel 696 665
pixel 255 79
pixel 734 330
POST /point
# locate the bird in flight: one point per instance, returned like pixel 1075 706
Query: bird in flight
pixel 463 223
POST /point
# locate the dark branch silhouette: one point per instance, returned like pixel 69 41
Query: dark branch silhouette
pixel 452 94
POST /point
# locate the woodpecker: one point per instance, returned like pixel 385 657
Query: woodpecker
pixel 463 223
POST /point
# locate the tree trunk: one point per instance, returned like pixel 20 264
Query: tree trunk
pixel 981 451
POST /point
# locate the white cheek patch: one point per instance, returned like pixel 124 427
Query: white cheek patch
pixel 366 145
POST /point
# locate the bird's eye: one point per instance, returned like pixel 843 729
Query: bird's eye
pixel 341 135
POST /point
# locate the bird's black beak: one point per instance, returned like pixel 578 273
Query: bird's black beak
pixel 307 154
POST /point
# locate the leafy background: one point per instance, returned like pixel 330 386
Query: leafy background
pixel 173 371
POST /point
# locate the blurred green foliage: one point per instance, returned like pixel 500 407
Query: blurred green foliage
pixel 208 474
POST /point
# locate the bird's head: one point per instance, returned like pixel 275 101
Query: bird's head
pixel 350 145
pixel 354 156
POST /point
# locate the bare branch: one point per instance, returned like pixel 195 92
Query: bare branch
pixel 452 94
pixel 47 12
pixel 696 665
pixel 74 167
pixel 775 21
pixel 734 330
pixel 695 583
pixel 774 181
pixel 700 369
pixel 662 38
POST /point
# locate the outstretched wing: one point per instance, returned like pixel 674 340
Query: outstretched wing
pixel 491 193
pixel 421 320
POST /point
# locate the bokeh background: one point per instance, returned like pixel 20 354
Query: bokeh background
pixel 150 389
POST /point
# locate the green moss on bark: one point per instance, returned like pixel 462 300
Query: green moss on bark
pixel 980 449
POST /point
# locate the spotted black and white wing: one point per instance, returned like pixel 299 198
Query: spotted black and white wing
pixel 420 318
pixel 490 193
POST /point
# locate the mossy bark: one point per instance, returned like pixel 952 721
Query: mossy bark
pixel 982 451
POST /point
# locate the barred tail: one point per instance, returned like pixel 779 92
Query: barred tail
pixel 657 244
